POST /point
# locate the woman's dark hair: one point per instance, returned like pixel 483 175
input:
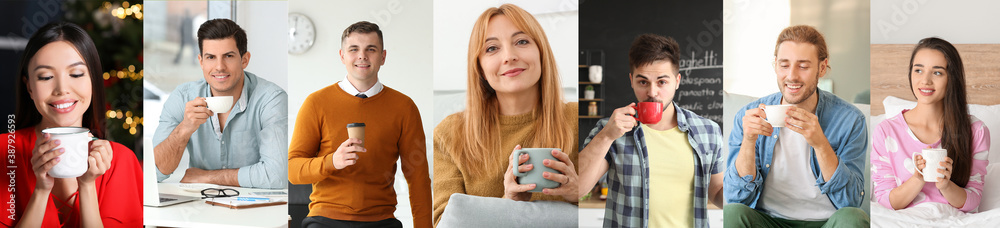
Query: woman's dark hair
pixel 957 134
pixel 27 114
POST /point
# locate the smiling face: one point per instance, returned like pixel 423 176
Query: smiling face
pixel 363 55
pixel 656 82
pixel 59 83
pixel 929 76
pixel 510 59
pixel 222 65
pixel 798 68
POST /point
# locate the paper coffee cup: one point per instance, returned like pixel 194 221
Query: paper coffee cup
pixel 357 131
pixel 219 104
pixel 776 114
pixel 76 143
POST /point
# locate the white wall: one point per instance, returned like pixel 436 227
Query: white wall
pixel 749 32
pixel 453 21
pixel 406 28
pixel 844 24
pixel 751 29
pixel 266 24
pixel 908 21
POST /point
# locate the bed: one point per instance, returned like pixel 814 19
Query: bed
pixel 891 93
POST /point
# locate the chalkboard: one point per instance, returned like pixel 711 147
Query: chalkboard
pixel 611 26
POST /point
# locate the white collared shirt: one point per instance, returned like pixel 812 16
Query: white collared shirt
pixel 349 88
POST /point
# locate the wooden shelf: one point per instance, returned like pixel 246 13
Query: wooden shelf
pixel 591 117
pixel 593 202
pixel 581 99
pixel 583 66
pixel 589 83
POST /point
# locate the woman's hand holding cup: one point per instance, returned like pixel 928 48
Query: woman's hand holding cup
pixel 44 156
pixel 946 168
pixel 98 161
pixel 568 179
pixel 511 189
pixel 918 163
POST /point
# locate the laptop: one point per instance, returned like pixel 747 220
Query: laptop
pixel 151 195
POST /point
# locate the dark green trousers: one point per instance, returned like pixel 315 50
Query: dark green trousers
pixel 740 215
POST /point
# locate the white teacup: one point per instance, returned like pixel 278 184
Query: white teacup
pixel 219 104
pixel 933 159
pixel 75 140
pixel 776 114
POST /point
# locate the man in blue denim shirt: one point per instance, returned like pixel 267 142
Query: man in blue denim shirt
pixel 246 146
pixel 654 169
pixel 812 174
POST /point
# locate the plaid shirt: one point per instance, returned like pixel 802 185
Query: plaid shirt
pixel 628 170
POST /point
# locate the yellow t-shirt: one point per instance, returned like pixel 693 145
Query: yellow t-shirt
pixel 671 178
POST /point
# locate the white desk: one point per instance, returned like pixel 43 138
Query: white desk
pixel 200 214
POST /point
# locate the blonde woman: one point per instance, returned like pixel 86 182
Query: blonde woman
pixel 514 100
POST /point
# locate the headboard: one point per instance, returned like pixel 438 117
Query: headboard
pixel 890 63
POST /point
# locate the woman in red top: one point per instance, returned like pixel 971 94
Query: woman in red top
pixel 59 84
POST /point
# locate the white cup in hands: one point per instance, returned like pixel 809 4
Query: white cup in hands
pixel 776 114
pixel 75 141
pixel 933 159
pixel 219 104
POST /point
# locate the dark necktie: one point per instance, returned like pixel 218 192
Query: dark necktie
pixel 361 95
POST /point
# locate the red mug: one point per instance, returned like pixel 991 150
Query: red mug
pixel 649 112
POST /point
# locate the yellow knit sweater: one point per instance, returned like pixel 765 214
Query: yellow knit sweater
pixel 514 130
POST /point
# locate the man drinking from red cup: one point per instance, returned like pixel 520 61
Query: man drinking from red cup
pixel 658 156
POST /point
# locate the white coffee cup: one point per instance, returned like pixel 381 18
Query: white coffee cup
pixel 76 143
pixel 776 114
pixel 219 104
pixel 933 159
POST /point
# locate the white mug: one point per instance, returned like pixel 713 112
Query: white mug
pixel 75 141
pixel 776 114
pixel 933 158
pixel 219 104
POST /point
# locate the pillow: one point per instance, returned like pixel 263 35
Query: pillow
pixel 991 189
pixel 477 211
pixel 894 105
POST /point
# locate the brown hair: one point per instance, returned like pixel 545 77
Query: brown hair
pixel 27 114
pixel 363 27
pixel 649 48
pixel 956 137
pixel 804 34
pixel 221 28
pixel 480 133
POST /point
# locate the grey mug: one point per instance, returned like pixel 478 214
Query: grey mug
pixel 534 176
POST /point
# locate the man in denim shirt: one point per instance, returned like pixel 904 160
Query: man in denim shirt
pixel 812 174
pixel 654 169
pixel 246 146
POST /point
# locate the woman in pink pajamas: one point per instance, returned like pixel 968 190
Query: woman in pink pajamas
pixel 940 120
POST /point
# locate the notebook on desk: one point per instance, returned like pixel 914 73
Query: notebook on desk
pixel 244 202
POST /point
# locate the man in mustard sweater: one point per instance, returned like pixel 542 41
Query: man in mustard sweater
pixel 353 178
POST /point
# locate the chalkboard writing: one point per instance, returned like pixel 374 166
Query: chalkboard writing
pixel 701 85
